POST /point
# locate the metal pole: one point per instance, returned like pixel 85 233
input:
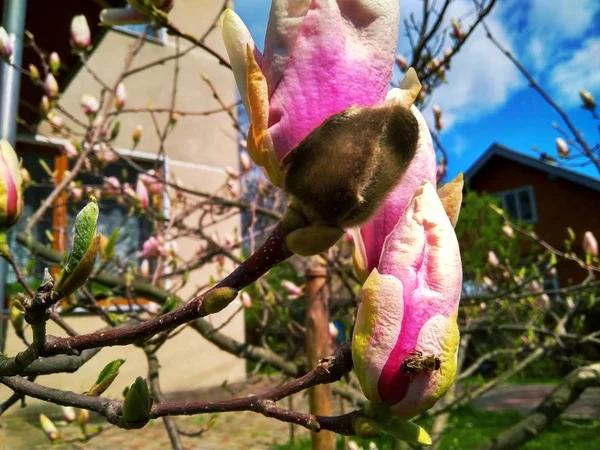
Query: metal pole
pixel 13 21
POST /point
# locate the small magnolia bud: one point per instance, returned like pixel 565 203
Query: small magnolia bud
pixel 51 86
pixel 17 319
pixel 80 33
pixel 437 113
pixel 246 300
pixel 589 102
pixel 142 193
pixel 44 106
pixel 56 122
pixel 137 135
pixel 401 62
pixel 106 377
pixel 333 331
pixel 120 96
pixel 77 193
pixel 6 46
pixel 292 289
pixel 68 413
pixel 508 231
pixel 111 186
pixel 90 104
pixel 49 428
pixel 82 420
pixel 483 306
pixel 11 191
pixel 145 268
pixel 25 176
pixel 245 161
pixel 562 148
pixel 173 118
pixel 590 244
pixel 69 150
pixel 493 259
pixel 34 73
pixel 137 404
pixel 54 62
pixel 457 32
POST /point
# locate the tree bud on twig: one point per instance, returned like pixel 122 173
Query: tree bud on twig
pixel 6 45
pixel 562 148
pixel 51 86
pixel 589 102
pixel 11 190
pixel 80 33
pixel 54 62
pixel 137 405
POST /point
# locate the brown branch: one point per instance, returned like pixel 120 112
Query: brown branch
pixel 564 395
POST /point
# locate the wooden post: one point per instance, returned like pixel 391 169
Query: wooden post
pixel 317 347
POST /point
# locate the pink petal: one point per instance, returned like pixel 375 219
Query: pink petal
pixel 343 55
pixel 422 252
pixel 421 168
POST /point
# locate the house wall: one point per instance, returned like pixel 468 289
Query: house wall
pixel 199 149
pixel 560 204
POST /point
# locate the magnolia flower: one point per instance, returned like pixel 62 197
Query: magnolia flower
pixel 153 247
pixel 246 300
pixel 11 192
pixel 6 46
pixel 51 86
pixel 137 14
pixel 54 62
pixel 493 260
pixel 408 309
pixel 120 96
pixel 590 244
pixel 142 193
pixel 90 104
pixel 153 185
pixel 80 33
pixel 319 58
pixel 562 148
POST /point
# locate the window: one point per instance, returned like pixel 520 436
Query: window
pixel 153 33
pixel 519 203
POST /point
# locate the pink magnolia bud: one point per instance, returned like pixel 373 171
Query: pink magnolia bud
pixel 152 248
pixel 49 428
pixel 508 231
pixel 111 186
pixel 54 62
pixel 589 102
pixel 562 148
pixel 80 33
pixel 292 289
pixel 25 176
pixel 552 271
pixel 401 62
pixel 69 150
pixel 493 260
pixel 34 73
pixel 120 96
pixel 590 244
pixel 333 331
pixel 51 86
pixel 11 193
pixel 6 46
pixel 142 193
pixel 153 185
pixel 106 155
pixel 68 413
pixel 56 122
pixel 245 161
pixel 246 300
pixel 90 104
pixel 77 193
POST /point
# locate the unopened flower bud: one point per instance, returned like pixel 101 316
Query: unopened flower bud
pixel 56 122
pixel 44 107
pixel 173 118
pixel 82 420
pixel 589 102
pixel 246 300
pixel 437 113
pixel 562 148
pixel 333 331
pixel 120 96
pixel 49 428
pixel 145 268
pixel 6 46
pixel 68 413
pixel 80 33
pixel 590 244
pixel 292 289
pixel 54 62
pixel 90 104
pixel 401 62
pixel 508 231
pixel 17 319
pixel 142 193
pixel 493 260
pixel 25 176
pixel 11 191
pixel 457 32
pixel 51 86
pixel 137 135
pixel 137 404
pixel 34 73
pixel 245 161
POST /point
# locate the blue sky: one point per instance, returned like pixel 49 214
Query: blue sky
pixel 486 99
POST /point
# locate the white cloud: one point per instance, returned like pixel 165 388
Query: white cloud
pixel 564 19
pixel 537 52
pixel 579 72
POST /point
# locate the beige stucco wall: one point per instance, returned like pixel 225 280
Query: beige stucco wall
pixel 198 150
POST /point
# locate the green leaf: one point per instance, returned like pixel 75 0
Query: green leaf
pixel 110 245
pixel 115 130
pixel 106 377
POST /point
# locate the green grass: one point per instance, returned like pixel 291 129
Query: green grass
pixel 469 428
